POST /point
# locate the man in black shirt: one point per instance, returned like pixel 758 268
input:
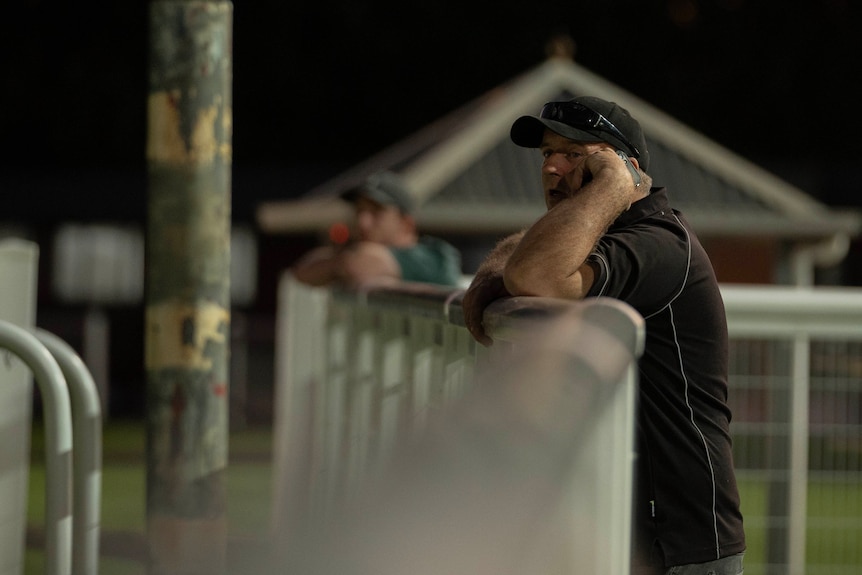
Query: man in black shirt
pixel 608 232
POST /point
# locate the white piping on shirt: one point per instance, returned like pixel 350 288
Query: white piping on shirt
pixel 700 433
pixel 687 401
pixel 669 307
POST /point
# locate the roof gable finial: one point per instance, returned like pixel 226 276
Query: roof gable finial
pixel 560 46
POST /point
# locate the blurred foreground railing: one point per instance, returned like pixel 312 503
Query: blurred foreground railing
pixel 402 446
pixel 359 377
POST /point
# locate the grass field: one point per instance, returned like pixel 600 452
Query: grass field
pixel 833 543
pixel 833 546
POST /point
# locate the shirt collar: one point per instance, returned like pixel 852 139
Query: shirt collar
pixel 655 203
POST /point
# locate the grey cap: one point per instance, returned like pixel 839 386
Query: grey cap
pixel 385 188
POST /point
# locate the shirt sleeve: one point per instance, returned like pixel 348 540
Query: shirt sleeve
pixel 431 260
pixel 645 265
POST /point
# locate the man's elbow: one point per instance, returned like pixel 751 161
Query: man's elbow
pixel 527 282
pixel 542 282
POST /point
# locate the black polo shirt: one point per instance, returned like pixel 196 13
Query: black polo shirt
pixel 686 499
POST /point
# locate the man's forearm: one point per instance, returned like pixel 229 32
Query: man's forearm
pixel 317 268
pixel 550 259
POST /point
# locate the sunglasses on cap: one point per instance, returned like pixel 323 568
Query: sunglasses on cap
pixel 579 116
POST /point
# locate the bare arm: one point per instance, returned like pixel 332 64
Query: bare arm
pixel 487 286
pixel 551 258
pixel 317 267
pixel 352 265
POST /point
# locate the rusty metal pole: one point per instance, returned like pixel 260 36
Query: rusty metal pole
pixel 188 285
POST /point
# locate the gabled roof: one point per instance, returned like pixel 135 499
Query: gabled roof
pixel 471 179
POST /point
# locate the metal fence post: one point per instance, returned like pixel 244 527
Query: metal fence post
pixel 87 455
pixel 188 285
pixel 58 443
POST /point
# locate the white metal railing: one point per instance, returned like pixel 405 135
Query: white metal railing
pixel 58 443
pixel 71 417
pixel 517 458
pixel 795 389
pixel 796 394
pixel 18 276
pixel 86 414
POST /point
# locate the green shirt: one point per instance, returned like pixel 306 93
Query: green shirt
pixel 431 260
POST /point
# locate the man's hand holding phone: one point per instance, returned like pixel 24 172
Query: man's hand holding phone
pixel 636 177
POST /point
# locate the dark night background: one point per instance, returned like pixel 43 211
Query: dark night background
pixel 320 86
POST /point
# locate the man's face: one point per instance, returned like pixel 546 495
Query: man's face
pixel 563 166
pixel 376 222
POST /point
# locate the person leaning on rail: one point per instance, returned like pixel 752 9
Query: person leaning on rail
pixel 608 232
pixel 388 246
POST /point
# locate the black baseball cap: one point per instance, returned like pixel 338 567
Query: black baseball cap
pixel 584 119
pixel 385 188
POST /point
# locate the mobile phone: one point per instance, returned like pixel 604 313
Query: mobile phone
pixel 635 175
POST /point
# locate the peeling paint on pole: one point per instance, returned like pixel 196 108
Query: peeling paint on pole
pixel 188 285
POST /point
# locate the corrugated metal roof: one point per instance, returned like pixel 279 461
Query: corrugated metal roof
pixel 471 179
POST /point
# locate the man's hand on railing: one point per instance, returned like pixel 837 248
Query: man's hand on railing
pixel 485 288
